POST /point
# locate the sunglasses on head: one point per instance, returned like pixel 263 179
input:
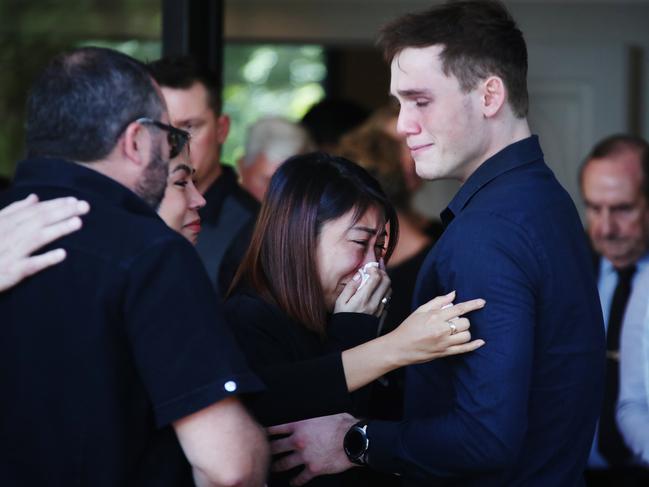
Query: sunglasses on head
pixel 176 137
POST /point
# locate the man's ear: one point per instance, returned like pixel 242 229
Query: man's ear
pixel 136 143
pixel 222 128
pixel 494 96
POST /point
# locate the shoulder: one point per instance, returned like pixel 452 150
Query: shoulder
pixel 249 310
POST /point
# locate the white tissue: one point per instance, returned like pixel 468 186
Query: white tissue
pixel 363 271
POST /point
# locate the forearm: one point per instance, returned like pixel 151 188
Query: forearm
pixel 224 446
pixel 369 361
pixel 300 390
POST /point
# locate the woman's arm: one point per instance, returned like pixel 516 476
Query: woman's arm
pixel 428 333
pixel 320 385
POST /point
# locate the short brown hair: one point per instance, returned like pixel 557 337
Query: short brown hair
pixel 479 38
pixel 304 193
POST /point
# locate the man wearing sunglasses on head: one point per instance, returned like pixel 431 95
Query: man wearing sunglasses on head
pixel 116 365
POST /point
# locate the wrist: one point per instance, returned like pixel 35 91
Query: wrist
pixel 357 444
pixel 393 354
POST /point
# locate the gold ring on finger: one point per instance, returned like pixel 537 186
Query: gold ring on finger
pixel 452 326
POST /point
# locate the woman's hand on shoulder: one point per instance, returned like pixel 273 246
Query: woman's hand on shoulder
pixel 369 297
pixel 435 329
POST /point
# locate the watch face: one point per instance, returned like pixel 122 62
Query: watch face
pixel 355 442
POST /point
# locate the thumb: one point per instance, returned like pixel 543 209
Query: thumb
pixel 438 303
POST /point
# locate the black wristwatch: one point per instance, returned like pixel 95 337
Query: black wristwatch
pixel 357 444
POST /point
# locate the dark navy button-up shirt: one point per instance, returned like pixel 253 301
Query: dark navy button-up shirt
pixel 522 409
pixel 101 353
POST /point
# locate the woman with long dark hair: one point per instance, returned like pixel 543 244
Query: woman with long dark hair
pixel 303 313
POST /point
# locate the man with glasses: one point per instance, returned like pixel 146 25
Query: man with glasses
pixel 116 362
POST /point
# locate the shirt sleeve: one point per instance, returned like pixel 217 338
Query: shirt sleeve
pixel 483 429
pixel 296 390
pixel 348 330
pixel 185 355
pixel 633 402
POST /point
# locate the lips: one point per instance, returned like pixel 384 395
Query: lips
pixel 418 147
pixel 194 226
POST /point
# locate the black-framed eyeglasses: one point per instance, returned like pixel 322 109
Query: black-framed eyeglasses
pixel 176 137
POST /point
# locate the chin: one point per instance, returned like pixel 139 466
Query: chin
pixel 191 236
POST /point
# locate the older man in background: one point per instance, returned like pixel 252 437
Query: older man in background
pixel 615 188
pixel 269 142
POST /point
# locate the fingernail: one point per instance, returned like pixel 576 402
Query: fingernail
pixel 83 207
pixel 356 277
pixel 75 223
pixel 452 292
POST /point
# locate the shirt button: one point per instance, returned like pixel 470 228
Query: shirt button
pixel 230 386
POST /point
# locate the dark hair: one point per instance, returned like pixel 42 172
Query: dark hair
pixel 479 38
pixel 182 72
pixel 617 144
pixel 304 193
pixel 331 118
pixel 82 102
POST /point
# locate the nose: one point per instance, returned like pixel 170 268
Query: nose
pixel 370 255
pixel 196 200
pixel 406 123
pixel 605 225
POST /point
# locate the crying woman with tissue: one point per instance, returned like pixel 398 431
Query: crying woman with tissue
pixel 306 302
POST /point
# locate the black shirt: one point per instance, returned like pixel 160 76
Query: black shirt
pixel 228 219
pixel 99 354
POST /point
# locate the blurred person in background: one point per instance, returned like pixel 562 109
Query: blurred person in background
pixel 614 183
pixel 269 142
pixel 193 97
pixel 329 119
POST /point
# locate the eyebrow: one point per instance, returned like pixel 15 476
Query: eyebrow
pixel 413 93
pixel 185 121
pixel 369 230
pixel 184 167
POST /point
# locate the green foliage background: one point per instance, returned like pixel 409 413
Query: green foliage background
pixel 259 79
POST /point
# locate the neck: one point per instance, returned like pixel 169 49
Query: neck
pixel 502 132
pixel 213 174
pixel 115 170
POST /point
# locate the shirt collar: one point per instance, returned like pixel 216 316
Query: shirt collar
pixel 606 267
pixel 514 155
pixel 51 172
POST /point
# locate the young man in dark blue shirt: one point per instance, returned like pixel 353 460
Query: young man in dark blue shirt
pixel 522 409
pixel 115 365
